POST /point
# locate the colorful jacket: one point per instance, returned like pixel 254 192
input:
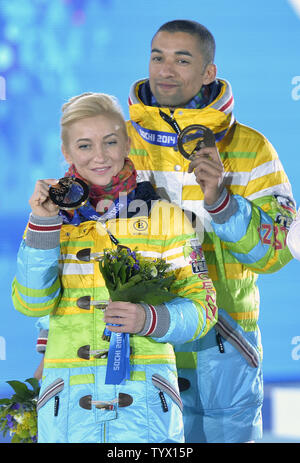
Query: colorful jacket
pixel 74 404
pixel 253 240
pixel 242 235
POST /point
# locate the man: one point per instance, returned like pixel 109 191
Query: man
pixel 241 202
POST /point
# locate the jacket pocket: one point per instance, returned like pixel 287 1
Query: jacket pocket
pixel 238 340
pixel 166 386
pixel 50 391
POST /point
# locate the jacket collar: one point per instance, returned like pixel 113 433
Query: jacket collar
pixel 140 93
pixel 217 115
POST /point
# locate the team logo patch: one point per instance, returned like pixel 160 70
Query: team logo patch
pixel 192 252
pixel 283 220
pixel 286 203
pixel 138 226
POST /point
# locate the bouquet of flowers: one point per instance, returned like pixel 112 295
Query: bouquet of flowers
pixel 131 277
pixel 18 414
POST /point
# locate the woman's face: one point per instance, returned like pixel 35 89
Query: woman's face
pixel 97 146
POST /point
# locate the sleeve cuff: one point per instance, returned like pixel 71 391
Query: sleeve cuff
pixel 225 206
pixel 157 321
pixel 42 341
pixel 43 232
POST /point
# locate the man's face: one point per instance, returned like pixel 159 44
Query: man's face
pixel 176 71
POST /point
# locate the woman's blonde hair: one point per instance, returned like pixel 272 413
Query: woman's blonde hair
pixel 89 105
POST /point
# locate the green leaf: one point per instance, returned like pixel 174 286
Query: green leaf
pixel 3 424
pixel 21 390
pixel 116 267
pixel 35 385
pixel 107 276
pixel 123 274
pixel 5 401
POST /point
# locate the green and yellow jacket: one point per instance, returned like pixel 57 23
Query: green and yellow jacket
pixel 58 274
pixel 250 241
pixel 242 235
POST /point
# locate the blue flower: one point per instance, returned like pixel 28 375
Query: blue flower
pixel 10 421
pixel 15 406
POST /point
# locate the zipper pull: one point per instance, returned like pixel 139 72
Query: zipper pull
pixel 56 405
pixel 220 343
pixel 171 121
pixel 163 401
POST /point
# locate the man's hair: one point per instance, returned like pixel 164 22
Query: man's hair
pixel 205 38
pixel 89 105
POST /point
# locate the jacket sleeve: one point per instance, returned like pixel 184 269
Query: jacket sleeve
pixel 42 325
pixel 254 227
pixel 193 312
pixel 36 287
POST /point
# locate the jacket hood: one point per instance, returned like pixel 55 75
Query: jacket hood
pixel 218 115
pixel 224 102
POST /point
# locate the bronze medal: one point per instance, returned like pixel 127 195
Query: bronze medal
pixel 70 193
pixel 193 138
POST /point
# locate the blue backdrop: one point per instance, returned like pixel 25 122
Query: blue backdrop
pixel 50 51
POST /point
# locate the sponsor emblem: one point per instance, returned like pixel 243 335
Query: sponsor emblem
pixel 283 220
pixel 286 203
pixel 138 226
pixel 192 251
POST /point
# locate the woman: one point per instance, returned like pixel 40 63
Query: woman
pixel 75 403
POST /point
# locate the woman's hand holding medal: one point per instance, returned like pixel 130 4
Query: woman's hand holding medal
pixel 40 202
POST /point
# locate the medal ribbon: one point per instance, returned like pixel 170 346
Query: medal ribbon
pixel 118 364
pixel 89 212
pixel 167 139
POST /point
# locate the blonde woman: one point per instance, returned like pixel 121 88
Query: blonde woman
pixel 75 403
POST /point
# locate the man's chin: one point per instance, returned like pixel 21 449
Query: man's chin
pixel 167 103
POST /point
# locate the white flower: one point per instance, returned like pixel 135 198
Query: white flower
pixel 19 418
pixel 153 271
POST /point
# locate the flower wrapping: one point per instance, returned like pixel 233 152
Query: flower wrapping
pixel 132 278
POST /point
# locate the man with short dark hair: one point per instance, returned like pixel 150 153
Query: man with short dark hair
pixel 241 201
